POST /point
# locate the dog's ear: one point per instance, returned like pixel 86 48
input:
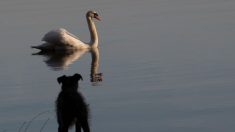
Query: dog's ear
pixel 61 79
pixel 78 76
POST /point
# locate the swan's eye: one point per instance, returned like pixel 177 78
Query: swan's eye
pixel 95 15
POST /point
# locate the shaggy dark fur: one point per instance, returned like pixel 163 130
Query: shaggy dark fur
pixel 70 105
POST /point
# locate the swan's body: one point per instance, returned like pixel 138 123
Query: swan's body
pixel 61 39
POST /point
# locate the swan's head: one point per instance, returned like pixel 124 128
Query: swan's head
pixel 92 15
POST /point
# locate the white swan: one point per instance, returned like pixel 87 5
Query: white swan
pixel 61 39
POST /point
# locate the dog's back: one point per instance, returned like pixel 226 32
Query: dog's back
pixel 71 107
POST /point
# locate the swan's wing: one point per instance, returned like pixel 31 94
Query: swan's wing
pixel 63 37
pixel 71 40
pixel 53 36
pixel 70 34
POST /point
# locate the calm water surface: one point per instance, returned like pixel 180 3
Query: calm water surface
pixel 168 65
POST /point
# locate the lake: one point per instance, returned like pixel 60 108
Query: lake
pixel 167 65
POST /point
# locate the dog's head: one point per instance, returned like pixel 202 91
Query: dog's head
pixel 69 82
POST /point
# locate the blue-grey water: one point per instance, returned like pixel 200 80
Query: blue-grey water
pixel 168 65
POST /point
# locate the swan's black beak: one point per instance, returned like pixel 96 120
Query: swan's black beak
pixel 96 16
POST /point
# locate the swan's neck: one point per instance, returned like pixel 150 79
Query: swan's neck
pixel 93 33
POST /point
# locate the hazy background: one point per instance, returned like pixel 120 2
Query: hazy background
pixel 168 65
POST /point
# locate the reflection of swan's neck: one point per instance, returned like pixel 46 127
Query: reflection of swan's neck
pixel 93 33
pixel 95 77
pixel 95 61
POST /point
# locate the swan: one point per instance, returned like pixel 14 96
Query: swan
pixel 61 39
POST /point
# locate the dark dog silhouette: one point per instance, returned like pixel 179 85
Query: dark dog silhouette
pixel 70 105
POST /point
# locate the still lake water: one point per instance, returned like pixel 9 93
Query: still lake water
pixel 168 65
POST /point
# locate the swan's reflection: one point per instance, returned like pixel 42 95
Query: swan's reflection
pixel 62 60
pixel 95 57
